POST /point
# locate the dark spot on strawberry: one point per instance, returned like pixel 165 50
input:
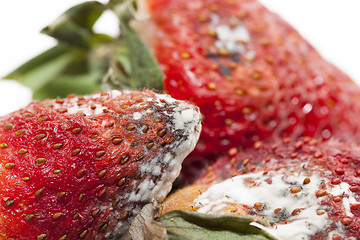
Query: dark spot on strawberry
pixel 40 161
pixel 57 215
pixel 10 165
pixel 139 158
pixel 61 195
pixel 75 216
pixel 81 173
pixel 28 115
pixel 137 175
pixel 100 153
pixel 20 132
pixel 81 196
pixel 306 181
pixel 102 173
pixel 161 132
pixel 224 70
pixel 8 126
pixel 121 182
pixel 58 145
pixel 110 124
pixel 43 118
pixel 41 236
pixel 75 152
pixel 145 129
pixel 63 237
pixel 134 144
pixel 3 145
pixel 130 127
pixel 83 233
pixel 149 145
pixel 29 217
pixel 40 136
pixel 103 227
pixel 95 212
pixel 22 151
pixel 76 130
pixel 39 192
pixel 295 212
pixel 124 215
pixel 116 141
pixel 9 202
pixel 102 192
pixel 115 204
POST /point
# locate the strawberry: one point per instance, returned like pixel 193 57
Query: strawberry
pixel 252 75
pixel 83 167
pixel 306 189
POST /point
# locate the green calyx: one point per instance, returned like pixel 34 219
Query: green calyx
pixel 184 225
pixel 84 61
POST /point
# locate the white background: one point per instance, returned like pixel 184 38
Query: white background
pixel 332 26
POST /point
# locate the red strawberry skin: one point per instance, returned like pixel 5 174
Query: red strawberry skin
pixel 252 75
pixel 335 162
pixel 82 167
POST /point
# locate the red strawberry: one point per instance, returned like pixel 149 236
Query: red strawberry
pixel 83 167
pixel 306 189
pixel 252 75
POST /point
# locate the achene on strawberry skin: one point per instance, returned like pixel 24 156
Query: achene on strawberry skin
pixel 83 167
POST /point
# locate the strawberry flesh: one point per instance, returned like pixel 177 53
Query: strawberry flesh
pixel 83 167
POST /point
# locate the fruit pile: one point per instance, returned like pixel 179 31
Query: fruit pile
pixel 277 150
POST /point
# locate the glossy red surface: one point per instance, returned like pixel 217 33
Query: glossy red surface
pixel 275 85
pixel 66 165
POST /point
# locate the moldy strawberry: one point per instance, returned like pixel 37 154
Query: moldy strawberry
pixel 252 75
pixel 83 167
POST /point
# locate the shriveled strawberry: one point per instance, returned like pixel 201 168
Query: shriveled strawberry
pixel 83 167
pixel 306 189
pixel 252 75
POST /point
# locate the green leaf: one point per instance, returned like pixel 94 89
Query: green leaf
pixel 38 61
pixel 124 9
pixel 183 225
pixel 69 33
pixel 75 25
pixel 63 85
pixel 39 71
pixel 86 14
pixel 134 67
pixel 85 61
